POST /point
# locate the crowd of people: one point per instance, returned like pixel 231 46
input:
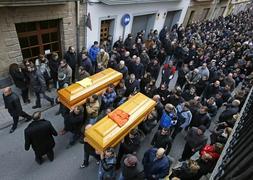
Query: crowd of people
pixel 213 61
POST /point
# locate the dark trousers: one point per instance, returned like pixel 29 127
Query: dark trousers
pixel 73 74
pixel 121 153
pixel 50 155
pixel 16 118
pixel 176 131
pixel 24 94
pixel 187 153
pixel 38 102
pixel 87 155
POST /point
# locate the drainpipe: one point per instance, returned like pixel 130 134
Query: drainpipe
pixel 78 29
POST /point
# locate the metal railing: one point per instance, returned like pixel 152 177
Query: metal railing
pixel 236 160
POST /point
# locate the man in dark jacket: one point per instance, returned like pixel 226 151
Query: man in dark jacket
pixel 71 59
pixel 132 85
pixel 38 84
pixel 21 81
pixel 156 164
pixel 212 89
pixel 231 109
pixel 39 134
pixel 162 139
pixel 154 68
pixel 12 103
pixel 195 140
pixel 129 145
pixel 202 117
pixel 73 123
pixel 138 69
pixel 130 168
pixel 53 64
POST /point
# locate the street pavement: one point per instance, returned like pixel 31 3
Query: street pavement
pixel 16 163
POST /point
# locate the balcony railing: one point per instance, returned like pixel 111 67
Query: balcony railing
pixel 237 157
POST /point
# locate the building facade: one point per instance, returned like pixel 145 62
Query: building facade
pixel 199 10
pixel 235 6
pixel 30 28
pixel 106 17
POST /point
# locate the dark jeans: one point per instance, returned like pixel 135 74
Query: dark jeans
pixel 76 136
pixel 187 153
pixel 38 102
pixel 15 119
pixel 176 131
pixel 87 155
pixel 73 74
pixel 24 94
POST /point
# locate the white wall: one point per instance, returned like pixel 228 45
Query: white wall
pixel 100 11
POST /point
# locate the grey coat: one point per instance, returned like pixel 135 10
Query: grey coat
pixel 37 81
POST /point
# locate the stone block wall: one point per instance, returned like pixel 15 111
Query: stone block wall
pixel 10 51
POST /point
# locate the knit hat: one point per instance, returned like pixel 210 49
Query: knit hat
pixel 130 160
pixel 61 76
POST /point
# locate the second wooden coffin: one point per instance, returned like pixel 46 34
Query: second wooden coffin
pixel 77 93
pixel 106 133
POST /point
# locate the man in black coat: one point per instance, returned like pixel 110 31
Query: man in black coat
pixel 53 64
pixel 39 134
pixel 162 139
pixel 12 103
pixel 38 84
pixel 21 81
pixel 73 123
pixel 129 146
pixel 195 140
pixel 132 85
pixel 71 59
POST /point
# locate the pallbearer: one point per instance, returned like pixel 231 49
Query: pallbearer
pixel 110 130
pixel 77 93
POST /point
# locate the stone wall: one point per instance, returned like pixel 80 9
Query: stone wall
pixel 10 51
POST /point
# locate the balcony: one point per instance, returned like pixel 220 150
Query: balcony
pixel 236 159
pixel 5 3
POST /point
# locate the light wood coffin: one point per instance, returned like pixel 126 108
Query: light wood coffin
pixel 106 133
pixel 76 94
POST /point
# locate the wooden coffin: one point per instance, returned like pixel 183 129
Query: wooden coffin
pixel 106 133
pixel 77 93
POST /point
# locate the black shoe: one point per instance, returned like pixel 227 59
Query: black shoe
pixel 35 107
pixel 180 160
pixel 84 165
pixel 39 160
pixel 12 130
pixel 28 119
pixel 57 113
pixel 52 102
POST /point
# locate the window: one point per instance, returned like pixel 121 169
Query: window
pixel 36 37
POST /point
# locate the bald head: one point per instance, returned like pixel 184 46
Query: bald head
pixel 159 153
pixel 156 98
pixel 7 91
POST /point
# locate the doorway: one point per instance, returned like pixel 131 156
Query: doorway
pixel 106 29
pixel 172 18
pixel 143 22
